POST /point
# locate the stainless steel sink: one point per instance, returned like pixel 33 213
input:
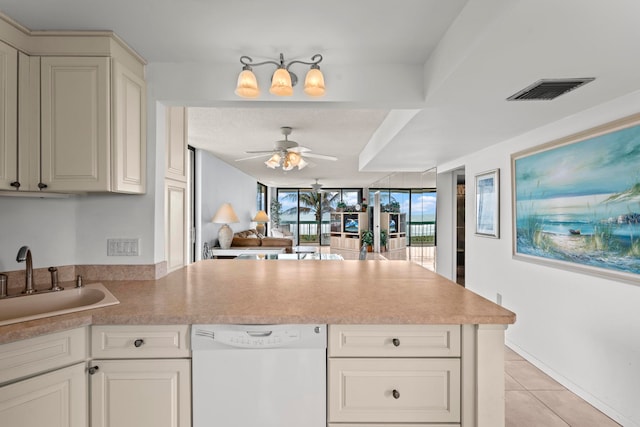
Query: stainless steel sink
pixel 36 306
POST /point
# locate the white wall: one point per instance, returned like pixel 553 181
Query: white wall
pixel 221 183
pixel 581 329
pixel 47 226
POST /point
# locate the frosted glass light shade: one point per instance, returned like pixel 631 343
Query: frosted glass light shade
pixel 294 158
pixel 302 164
pixel 281 83
pixel 314 83
pixel 247 85
pixel 274 161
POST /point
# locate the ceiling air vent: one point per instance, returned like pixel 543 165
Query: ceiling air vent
pixel 548 89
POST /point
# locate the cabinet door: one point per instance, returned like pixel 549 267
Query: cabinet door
pixel 141 393
pixel 177 144
pixel 129 144
pixel 8 116
pixel 176 224
pixel 75 123
pixel 56 399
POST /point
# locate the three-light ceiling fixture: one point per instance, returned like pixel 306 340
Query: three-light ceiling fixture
pixel 288 161
pixel 283 80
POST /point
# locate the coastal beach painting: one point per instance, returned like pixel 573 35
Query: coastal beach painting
pixel 577 201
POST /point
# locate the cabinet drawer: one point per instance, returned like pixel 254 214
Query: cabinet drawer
pixel 394 390
pixel 394 341
pixel 139 341
pixel 44 353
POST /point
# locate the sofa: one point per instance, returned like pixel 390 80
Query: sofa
pixel 251 238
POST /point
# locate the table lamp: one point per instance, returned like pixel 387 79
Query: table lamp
pixel 225 216
pixel 261 218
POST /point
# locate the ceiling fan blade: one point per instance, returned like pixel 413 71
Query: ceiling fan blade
pixel 261 151
pixel 254 157
pixel 299 149
pixel 320 156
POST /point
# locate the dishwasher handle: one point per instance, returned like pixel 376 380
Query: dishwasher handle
pixel 259 333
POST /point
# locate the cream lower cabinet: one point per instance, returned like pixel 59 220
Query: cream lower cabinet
pixel 54 399
pixel 140 376
pixel 394 375
pixel 44 381
pixel 140 393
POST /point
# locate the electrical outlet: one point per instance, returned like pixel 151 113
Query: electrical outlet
pixel 123 247
pixel 499 298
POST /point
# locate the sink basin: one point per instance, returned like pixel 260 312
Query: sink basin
pixel 45 304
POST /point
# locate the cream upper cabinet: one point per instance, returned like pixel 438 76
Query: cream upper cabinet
pixel 129 140
pixel 92 126
pixel 8 116
pixel 176 165
pixel 75 123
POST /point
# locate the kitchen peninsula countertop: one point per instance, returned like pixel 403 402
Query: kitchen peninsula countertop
pixel 282 291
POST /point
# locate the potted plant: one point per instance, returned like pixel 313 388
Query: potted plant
pixel 367 239
pixel 341 206
pixel 384 238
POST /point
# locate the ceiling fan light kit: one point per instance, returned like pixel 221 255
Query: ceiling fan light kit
pixel 283 80
pixel 287 154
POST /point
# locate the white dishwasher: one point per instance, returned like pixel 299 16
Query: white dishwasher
pixel 259 375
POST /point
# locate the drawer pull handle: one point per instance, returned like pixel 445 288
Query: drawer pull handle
pixel 93 370
pixel 396 342
pixel 138 342
pixel 396 394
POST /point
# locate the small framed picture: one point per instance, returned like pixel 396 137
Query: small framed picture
pixel 488 204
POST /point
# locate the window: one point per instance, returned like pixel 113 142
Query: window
pixel 420 206
pixel 261 197
pixel 307 213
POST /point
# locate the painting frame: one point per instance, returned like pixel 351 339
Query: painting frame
pixel 487 204
pixel 584 216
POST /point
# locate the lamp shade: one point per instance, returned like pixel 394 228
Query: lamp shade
pixel 281 83
pixel 225 215
pixel 261 216
pixel 247 85
pixel 314 83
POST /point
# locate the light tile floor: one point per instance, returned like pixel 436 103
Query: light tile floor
pixel 533 399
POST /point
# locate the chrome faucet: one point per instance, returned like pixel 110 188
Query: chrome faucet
pixel 24 254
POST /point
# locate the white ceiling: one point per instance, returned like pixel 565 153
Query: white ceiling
pixel 411 84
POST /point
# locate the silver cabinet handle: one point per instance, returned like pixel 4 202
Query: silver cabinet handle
pixel 93 369
pixel 396 342
pixel 138 342
pixel 396 394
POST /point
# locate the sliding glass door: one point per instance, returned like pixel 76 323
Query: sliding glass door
pixel 307 213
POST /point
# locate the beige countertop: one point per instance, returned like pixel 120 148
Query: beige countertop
pixel 283 291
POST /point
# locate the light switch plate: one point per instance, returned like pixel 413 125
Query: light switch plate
pixel 123 247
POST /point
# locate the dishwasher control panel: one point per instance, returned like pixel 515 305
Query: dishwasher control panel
pixel 256 337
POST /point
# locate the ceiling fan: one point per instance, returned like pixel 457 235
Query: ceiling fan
pixel 316 187
pixel 287 154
